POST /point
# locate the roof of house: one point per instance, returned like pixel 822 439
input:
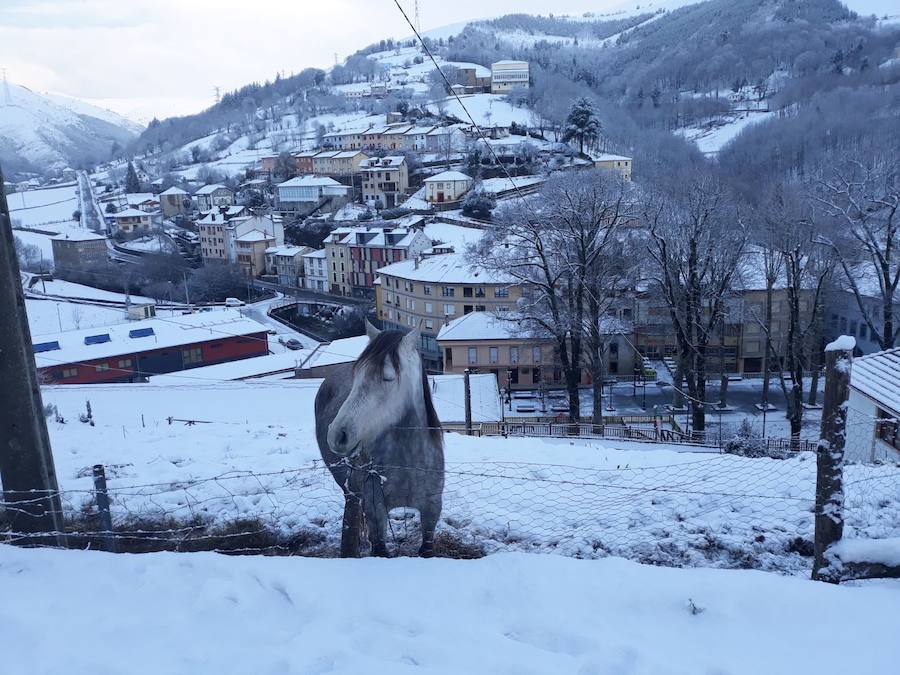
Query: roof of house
pixel 508 62
pixel 254 236
pixel 345 350
pixel 173 191
pixel 209 189
pixel 448 176
pixel 73 235
pixel 878 377
pixel 131 213
pixel 56 349
pixel 286 250
pixel 376 163
pixel 448 268
pixel 606 157
pixel 318 253
pixel 311 181
pixel 243 369
pixel 480 326
pixel 388 237
pixel 134 198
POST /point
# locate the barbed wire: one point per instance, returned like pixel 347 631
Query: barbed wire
pixel 721 510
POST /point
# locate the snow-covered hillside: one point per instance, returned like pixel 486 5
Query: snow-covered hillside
pixel 41 132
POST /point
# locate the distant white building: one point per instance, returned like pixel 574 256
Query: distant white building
pixel 448 186
pixel 303 191
pixel 873 430
pixel 509 76
pixel 212 196
pixel 315 273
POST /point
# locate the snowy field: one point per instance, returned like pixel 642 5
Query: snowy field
pixel 34 208
pixel 513 613
pixel 587 499
pixel 487 110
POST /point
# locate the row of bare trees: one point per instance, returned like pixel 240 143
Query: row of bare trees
pixel 696 243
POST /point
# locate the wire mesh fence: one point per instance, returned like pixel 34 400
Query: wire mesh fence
pixel 710 509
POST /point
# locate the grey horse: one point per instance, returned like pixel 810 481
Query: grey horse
pixel 381 438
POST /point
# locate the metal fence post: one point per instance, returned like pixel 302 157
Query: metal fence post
pixel 101 496
pixel 468 402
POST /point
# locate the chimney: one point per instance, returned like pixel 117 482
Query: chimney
pixel 416 262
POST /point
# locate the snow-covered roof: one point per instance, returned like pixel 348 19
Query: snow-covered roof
pixel 448 268
pixel 448 176
pixel 388 237
pixel 135 198
pixel 74 235
pixel 254 236
pixel 131 213
pixel 244 369
pixel 285 250
pixel 69 347
pixel 878 377
pixel 310 181
pixel 209 189
pixel 345 350
pixel 606 157
pixel 173 191
pixel 480 326
pixel 318 253
pixel 392 161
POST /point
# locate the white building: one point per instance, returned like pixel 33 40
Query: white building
pixel 212 196
pixel 315 272
pixel 448 186
pixel 303 191
pixel 509 76
pixel 873 431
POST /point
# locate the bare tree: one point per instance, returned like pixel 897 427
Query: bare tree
pixel 554 246
pixel 697 240
pixel 807 266
pixel 864 198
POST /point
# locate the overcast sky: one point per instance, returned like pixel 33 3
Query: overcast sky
pixel 164 57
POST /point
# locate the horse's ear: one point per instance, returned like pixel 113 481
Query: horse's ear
pixel 371 331
pixel 412 339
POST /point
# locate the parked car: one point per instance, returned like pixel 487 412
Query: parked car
pixel 294 344
pixel 234 302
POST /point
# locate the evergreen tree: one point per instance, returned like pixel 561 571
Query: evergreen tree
pixel 582 124
pixel 132 183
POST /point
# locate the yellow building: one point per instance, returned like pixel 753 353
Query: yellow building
pixel 430 291
pixel 614 163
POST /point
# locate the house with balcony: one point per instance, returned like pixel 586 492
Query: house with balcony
pixel 510 76
pixel 385 181
pixel 305 192
pixel 131 221
pixel 285 263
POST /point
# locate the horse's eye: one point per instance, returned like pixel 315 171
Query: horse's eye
pixel 388 374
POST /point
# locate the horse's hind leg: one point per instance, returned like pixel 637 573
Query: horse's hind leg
pixel 429 513
pixel 376 515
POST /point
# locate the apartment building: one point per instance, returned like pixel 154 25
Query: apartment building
pixel 430 291
pixel 131 221
pixel 219 235
pixel 285 263
pixel 354 255
pixel 337 163
pixel 303 192
pixel 385 181
pixel 175 202
pixel 77 250
pixel 315 272
pixel 213 196
pixel 614 163
pixel 509 76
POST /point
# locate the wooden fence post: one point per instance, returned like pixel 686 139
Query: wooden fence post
pixel 829 513
pixel 468 402
pixel 101 496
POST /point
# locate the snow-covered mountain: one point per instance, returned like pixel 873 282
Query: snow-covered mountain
pixel 46 132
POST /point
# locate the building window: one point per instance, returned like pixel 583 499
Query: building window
pixel 863 330
pixel 448 291
pixel 429 308
pixel 125 363
pixel 473 355
pixel 494 356
pixel 449 310
pixel 886 429
pixel 427 290
pixel 479 293
pixel 536 354
pixel 429 324
pixel 192 356
pixel 101 367
pixel 69 372
pixel 467 292
pixel 513 355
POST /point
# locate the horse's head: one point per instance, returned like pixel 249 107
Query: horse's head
pixel 387 381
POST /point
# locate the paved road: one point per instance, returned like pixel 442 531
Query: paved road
pixel 304 294
pixel 88 205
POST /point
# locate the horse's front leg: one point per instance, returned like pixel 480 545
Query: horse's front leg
pixel 429 513
pixel 376 514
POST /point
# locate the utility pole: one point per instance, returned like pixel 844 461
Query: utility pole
pixel 26 462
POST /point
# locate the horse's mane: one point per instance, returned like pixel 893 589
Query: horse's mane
pixel 386 345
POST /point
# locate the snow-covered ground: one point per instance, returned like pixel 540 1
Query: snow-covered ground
pixel 488 110
pixel 711 140
pixel 253 454
pixel 34 208
pixel 512 613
